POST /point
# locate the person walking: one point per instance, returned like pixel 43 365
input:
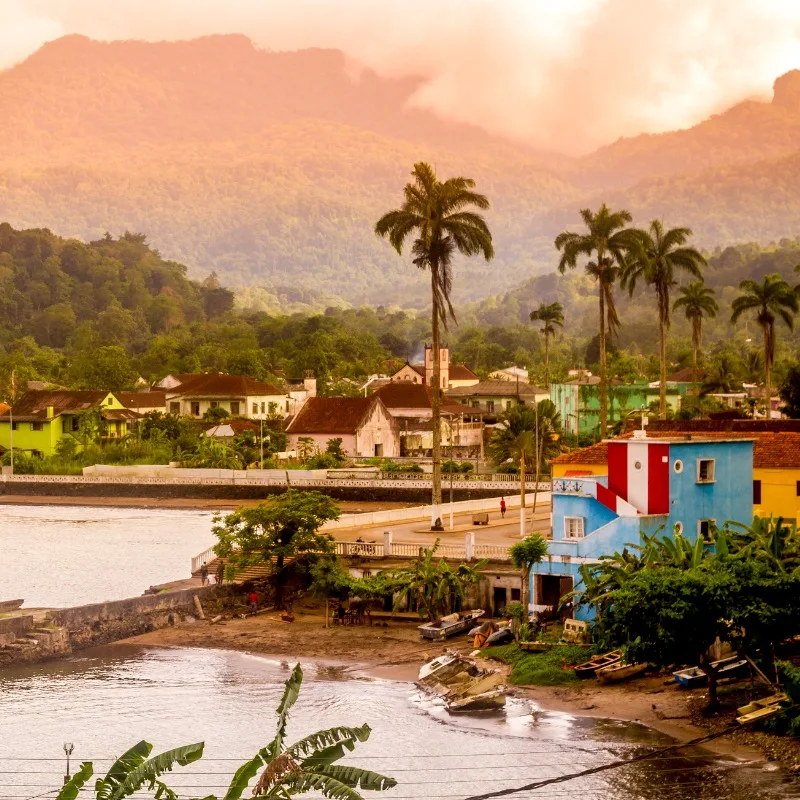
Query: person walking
pixel 252 602
pixel 503 507
pixel 203 575
pixel 220 571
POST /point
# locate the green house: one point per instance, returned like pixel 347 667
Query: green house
pixel 40 419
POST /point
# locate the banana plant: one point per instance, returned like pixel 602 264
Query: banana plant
pixel 131 771
pixel 286 770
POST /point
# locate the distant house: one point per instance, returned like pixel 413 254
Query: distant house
pixel 232 428
pixel 651 485
pixel 509 374
pixel 498 396
pixel 143 402
pixel 364 425
pixel 40 419
pixel 451 375
pixel 410 405
pixel 193 395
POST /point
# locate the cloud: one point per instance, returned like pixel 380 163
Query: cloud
pixel 569 75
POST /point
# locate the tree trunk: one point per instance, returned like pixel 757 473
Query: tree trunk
pixel 522 494
pixel 538 468
pixel 327 615
pixel 662 357
pixel 767 364
pixel 603 375
pixel 436 493
pixel 526 594
pixel 695 348
pixel 279 578
pixel 546 360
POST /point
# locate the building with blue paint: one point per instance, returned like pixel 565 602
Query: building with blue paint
pixel 685 486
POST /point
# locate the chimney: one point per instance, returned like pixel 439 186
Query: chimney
pixel 50 412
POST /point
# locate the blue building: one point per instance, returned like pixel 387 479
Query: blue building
pixel 686 486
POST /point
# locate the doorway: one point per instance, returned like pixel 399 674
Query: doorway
pixel 378 451
pixel 499 600
pixel 549 591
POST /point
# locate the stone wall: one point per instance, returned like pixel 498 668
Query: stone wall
pixel 198 491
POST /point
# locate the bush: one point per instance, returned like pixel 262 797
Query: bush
pixel 507 469
pixel 540 669
pixel 391 466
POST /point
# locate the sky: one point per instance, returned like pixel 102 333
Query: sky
pixel 567 75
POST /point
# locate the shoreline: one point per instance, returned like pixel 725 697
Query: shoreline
pixel 395 652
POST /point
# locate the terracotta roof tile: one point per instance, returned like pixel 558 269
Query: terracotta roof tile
pixel 594 454
pixel 218 384
pixel 497 388
pixel 33 405
pixel 333 414
pixel 142 399
pixel 404 394
pixel 461 372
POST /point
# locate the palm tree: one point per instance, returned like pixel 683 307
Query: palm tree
pixel 436 212
pixel 306 766
pixel 528 436
pixel 697 301
pixel 770 299
pixel 552 315
pixel 659 255
pixel 723 376
pixel 531 550
pixel 608 241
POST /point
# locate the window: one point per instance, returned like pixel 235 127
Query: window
pixel 255 408
pixel 756 493
pixel 678 466
pixel 214 404
pixel 234 408
pixel 678 528
pixel 705 529
pixel 287 406
pixel 573 527
pixel 263 407
pixel 195 409
pixel 516 595
pixel 797 489
pixel 37 426
pixel 705 470
pixel 14 426
pixel 174 408
pixel 76 426
pixel 490 405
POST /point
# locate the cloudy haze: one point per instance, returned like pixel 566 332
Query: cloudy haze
pixel 569 75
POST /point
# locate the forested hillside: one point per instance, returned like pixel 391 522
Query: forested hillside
pixel 271 168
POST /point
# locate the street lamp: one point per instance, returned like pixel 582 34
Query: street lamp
pixel 68 748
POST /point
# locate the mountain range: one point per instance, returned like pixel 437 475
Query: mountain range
pixel 270 168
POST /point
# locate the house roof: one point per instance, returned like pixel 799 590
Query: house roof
pixel 142 399
pixel 118 414
pixel 231 428
pixel 686 375
pixel 218 384
pixel 333 414
pixel 461 372
pixel 4 407
pixel 771 449
pixel 498 388
pixel 33 405
pixel 403 394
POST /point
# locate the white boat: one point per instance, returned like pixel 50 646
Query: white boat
pixel 462 684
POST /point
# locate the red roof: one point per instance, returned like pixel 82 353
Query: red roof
pixel 33 405
pixel 334 415
pixel 403 394
pixel 4 407
pixel 218 384
pixel 461 372
pixel 142 399
pixel 687 375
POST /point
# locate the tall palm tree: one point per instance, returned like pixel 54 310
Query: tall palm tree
pixel 552 315
pixel 605 245
pixel 436 213
pixel 659 255
pixel 697 301
pixel 768 300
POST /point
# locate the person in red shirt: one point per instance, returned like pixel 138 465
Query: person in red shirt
pixel 252 602
pixel 503 507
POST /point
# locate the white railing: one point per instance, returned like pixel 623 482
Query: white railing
pixel 363 549
pixel 206 557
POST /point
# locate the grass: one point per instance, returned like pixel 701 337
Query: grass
pixel 540 669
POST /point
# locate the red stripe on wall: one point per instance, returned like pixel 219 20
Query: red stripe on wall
pixel 618 469
pixel 606 497
pixel 658 479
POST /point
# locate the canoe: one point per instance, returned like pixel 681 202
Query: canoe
pixel 619 672
pixel 502 636
pixel 450 626
pixel 731 667
pixel 689 678
pixel 590 667
pixel 764 702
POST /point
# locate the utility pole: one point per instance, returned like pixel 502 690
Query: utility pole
pixel 451 472
pixel 11 419
pixel 262 441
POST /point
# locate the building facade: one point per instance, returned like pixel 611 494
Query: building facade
pixel 450 375
pixel 681 487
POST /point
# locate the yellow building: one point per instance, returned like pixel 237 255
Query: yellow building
pixel 776 464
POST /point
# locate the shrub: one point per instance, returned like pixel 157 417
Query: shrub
pixel 540 669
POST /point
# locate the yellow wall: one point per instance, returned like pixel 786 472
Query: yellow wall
pixel 560 470
pixel 778 493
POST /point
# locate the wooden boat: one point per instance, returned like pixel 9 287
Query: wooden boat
pixel 485 701
pixel 590 667
pixel 731 667
pixel 761 709
pixel 450 625
pixel 462 684
pixel 619 672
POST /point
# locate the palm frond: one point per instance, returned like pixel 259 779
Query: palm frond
pixel 120 769
pixel 149 770
pixel 71 789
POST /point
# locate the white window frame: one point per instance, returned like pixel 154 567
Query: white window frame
pixel 580 524
pixel 711 522
pixel 713 471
